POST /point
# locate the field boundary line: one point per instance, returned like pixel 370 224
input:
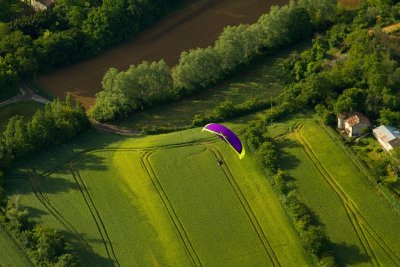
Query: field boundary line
pixel 391 197
pixel 190 251
pixel 352 217
pixel 45 201
pixel 75 157
pixel 351 206
pixel 247 208
pixel 95 215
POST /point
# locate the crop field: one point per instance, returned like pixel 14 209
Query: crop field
pixel 198 24
pixel 159 201
pixel 10 253
pixel 362 226
pixel 26 109
pixel 262 81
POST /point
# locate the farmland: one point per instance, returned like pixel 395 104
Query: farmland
pixel 159 200
pixel 359 222
pixel 263 81
pixel 196 25
pixel 10 253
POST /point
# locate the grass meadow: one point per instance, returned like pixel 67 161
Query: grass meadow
pixel 262 81
pixel 159 201
pixel 362 226
pixel 11 253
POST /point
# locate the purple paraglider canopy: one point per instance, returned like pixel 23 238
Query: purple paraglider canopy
pixel 226 135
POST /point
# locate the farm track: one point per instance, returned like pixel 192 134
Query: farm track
pixel 359 223
pixel 96 217
pixel 247 208
pixel 42 197
pixel 189 249
pixel 76 156
pixel 147 151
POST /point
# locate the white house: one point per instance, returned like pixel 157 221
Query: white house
pixel 39 5
pixel 387 136
pixel 354 123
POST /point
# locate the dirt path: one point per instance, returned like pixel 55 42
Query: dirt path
pixel 25 94
pixel 196 25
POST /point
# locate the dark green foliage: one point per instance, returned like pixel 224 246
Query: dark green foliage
pixel 228 110
pixel 196 69
pixel 280 181
pixel 389 117
pixel 140 86
pixel 203 67
pixel 46 247
pixel 312 235
pixel 267 156
pixel 10 9
pixel 379 169
pixel 352 99
pixel 72 31
pixel 238 45
pixel 59 122
pixel 255 136
pixel 363 74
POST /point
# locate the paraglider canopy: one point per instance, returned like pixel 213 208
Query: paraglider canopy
pixel 228 136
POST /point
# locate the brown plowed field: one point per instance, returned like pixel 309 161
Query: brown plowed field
pixel 196 25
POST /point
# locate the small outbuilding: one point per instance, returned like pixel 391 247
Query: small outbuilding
pixel 387 136
pixel 354 123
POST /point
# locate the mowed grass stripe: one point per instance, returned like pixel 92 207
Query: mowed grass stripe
pixel 132 212
pixel 360 216
pixel 11 254
pixel 171 212
pixel 208 207
pixel 253 219
pixel 343 198
pixel 96 217
pixel 46 202
pixel 61 191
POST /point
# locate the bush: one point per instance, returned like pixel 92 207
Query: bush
pixel 59 122
pixel 280 182
pixel 313 237
pixel 267 157
pixel 46 247
pixel 134 89
pixel 196 69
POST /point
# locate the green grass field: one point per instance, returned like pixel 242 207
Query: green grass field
pixel 262 81
pixel 10 252
pixel 363 227
pixel 159 201
pixel 26 109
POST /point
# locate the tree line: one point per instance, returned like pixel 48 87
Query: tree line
pixel 58 122
pixel 126 91
pixel 350 68
pixel 354 66
pixel 72 31
pixel 312 235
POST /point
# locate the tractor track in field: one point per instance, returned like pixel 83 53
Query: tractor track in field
pixel 76 156
pixel 247 208
pixel 96 217
pixel 189 249
pixel 42 197
pixel 359 223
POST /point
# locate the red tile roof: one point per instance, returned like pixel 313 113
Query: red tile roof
pixel 355 118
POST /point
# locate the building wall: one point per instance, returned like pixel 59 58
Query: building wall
pixel 384 144
pixel 356 130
